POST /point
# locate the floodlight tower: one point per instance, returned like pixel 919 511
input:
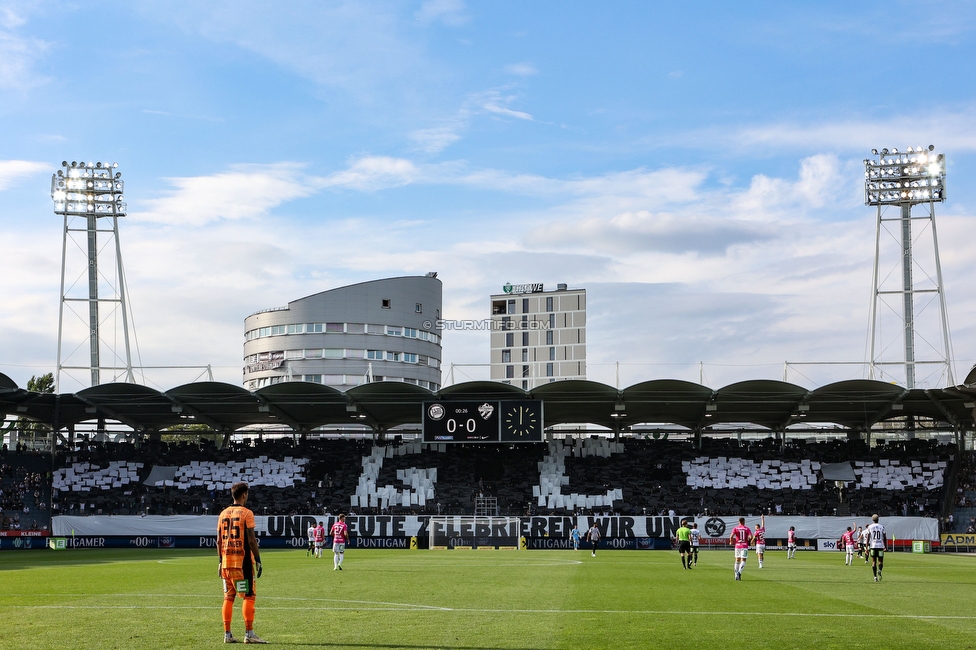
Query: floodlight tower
pixel 899 181
pixel 88 194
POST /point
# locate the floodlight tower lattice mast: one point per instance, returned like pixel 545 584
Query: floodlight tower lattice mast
pixel 90 193
pixel 903 180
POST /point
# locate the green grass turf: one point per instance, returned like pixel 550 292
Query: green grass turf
pixel 490 599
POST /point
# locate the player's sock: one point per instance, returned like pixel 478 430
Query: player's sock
pixel 874 570
pixel 248 610
pixel 684 565
pixel 227 611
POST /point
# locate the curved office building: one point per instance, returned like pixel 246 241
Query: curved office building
pixel 372 331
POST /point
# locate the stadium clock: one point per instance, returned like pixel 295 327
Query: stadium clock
pixel 522 421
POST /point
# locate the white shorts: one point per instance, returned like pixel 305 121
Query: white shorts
pixel 741 553
pixel 791 546
pixel 851 549
pixel 760 548
pixel 319 544
pixel 339 548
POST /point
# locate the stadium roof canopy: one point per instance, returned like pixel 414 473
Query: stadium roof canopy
pixel 302 406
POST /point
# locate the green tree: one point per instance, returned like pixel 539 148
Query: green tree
pixel 42 384
pixel 190 433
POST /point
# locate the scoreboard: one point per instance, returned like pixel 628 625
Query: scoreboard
pixel 489 421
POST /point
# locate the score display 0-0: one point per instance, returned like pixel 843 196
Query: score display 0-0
pixel 483 421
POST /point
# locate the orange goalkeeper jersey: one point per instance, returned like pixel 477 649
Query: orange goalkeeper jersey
pixel 231 536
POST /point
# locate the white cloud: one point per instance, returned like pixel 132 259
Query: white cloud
pixel 522 69
pixel 18 53
pixel 373 173
pixel 361 48
pixel 448 12
pixel 496 103
pixel 947 130
pixel 245 192
pixel 12 171
pixel 437 138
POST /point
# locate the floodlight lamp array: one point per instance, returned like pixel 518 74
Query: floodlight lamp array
pixel 92 188
pixel 916 175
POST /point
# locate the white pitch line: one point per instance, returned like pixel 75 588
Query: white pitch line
pixel 468 610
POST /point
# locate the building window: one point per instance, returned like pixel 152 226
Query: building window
pixel 525 371
pixel 355 354
pixel 376 355
pixel 509 372
pixel 313 354
pixel 510 340
pixel 525 384
pixel 393 331
pixel 511 306
pixel 392 356
pixel 525 338
pixel 294 354
pixel 548 303
pixel 355 328
pixel 334 380
pixel 525 354
pixel 409 357
pixel 335 327
pixel 434 363
pixel 386 303
pixel 375 329
pixel 313 328
pixel 549 372
pixel 315 379
pixel 333 353
pixel 279 329
pixel 525 305
pixel 418 308
pixel 506 322
pixel 497 307
pixel 298 328
pixel 552 321
pixel 548 337
pixel 506 356
pixel 409 332
pixel 552 354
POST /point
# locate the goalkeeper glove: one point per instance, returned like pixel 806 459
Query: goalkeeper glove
pixel 259 569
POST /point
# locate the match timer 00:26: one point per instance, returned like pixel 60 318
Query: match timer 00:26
pixel 487 421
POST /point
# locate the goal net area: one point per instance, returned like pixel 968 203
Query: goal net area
pixel 457 532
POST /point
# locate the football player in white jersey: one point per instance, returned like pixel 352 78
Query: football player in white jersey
pixel 877 542
pixel 695 543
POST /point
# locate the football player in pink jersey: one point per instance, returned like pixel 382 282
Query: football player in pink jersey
pixel 319 539
pixel 760 537
pixel 849 546
pixel 791 544
pixel 741 537
pixel 340 535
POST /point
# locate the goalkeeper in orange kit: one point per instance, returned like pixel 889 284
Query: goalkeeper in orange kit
pixel 240 562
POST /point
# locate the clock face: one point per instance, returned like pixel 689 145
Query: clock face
pixel 522 421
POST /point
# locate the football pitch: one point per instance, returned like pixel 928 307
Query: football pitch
pixel 490 599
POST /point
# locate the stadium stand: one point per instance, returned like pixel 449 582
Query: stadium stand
pixel 572 475
pixel 25 491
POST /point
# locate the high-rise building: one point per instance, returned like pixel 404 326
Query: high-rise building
pixel 538 336
pixel 372 331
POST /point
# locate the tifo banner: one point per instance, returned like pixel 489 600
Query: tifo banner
pixel 923 528
pixel 389 526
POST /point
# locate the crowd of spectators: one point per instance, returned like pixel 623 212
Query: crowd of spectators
pixel 648 475
pixel 25 487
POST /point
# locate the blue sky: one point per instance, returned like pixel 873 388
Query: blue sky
pixel 696 167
